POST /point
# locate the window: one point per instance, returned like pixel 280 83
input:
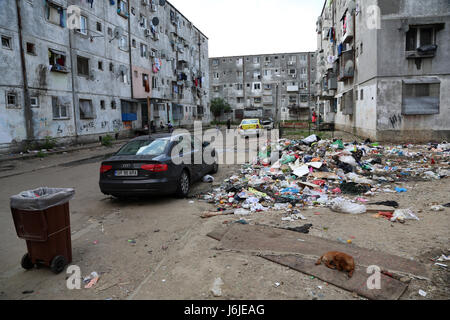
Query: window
pixel 256 60
pixel 257 100
pixel 109 32
pixel 6 42
pixel 57 60
pixel 133 43
pixel 267 86
pixel 86 110
pixel 154 82
pixel 83 25
pixel 123 43
pixel 144 50
pixel 34 101
pixel 239 74
pixel 239 86
pixel 215 62
pixel 113 105
pixel 55 14
pixel 303 98
pixel 31 48
pixel 102 105
pixel 417 37
pixel 267 59
pixel 292 71
pixel 60 111
pixel 257 86
pixel 267 73
pixel 100 65
pixel 111 67
pixel 99 26
pixel 83 66
pixel 362 94
pixel 11 99
pixel 420 98
pixel 123 76
pixel 240 100
pixel 122 8
pixel 216 75
pixel 361 49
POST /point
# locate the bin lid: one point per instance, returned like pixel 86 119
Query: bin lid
pixel 41 198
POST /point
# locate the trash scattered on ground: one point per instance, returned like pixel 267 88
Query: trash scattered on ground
pixel 208 179
pixel 27 292
pixel 422 293
pixel 437 208
pixel 132 241
pixel 91 280
pixel 216 289
pixel 303 229
pixel 294 175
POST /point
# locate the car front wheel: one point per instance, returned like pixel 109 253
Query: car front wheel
pixel 184 185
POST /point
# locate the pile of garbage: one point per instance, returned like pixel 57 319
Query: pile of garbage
pixel 293 174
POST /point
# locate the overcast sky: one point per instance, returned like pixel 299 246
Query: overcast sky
pixel 244 27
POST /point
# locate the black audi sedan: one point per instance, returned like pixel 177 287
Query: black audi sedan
pixel 150 165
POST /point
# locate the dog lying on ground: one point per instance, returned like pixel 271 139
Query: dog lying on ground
pixel 338 260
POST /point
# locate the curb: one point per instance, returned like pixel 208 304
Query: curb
pixel 59 165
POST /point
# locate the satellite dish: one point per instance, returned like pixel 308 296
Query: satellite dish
pixel 118 32
pixel 349 67
pixel 162 3
pixel 155 21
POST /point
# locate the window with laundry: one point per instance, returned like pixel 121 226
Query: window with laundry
pixel 54 13
pixel 86 109
pixel 57 60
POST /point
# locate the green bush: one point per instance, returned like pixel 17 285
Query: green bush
pixel 41 154
pixel 107 141
pixel 49 143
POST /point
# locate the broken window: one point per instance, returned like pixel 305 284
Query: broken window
pixel 57 59
pixel 86 110
pixel 31 48
pixel 421 97
pixel 11 99
pixel 60 109
pixel 83 66
pixel 6 42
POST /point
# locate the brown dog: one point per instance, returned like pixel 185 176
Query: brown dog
pixel 338 260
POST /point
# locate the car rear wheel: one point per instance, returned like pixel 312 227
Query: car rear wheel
pixel 184 185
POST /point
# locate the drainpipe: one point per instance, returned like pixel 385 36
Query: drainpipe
pixel 73 87
pixel 28 113
pixel 129 50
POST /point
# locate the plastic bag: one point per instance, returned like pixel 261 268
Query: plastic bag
pixel 404 214
pixel 41 198
pixel 310 139
pixel 208 179
pixel 345 206
pixel 242 212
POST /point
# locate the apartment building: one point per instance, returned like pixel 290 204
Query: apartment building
pixel 78 70
pixel 277 86
pixel 383 69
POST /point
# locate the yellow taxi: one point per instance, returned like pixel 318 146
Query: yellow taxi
pixel 250 128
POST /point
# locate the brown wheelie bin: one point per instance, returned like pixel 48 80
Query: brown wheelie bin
pixel 42 218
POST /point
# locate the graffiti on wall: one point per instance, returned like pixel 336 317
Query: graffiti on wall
pixel 87 126
pixel 396 120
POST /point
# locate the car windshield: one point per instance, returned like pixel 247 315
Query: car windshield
pixel 144 148
pixel 250 122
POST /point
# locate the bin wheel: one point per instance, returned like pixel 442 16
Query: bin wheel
pixel 27 264
pixel 58 264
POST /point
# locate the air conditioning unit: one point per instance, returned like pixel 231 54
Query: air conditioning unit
pixel 147 32
pixel 152 54
pixel 156 36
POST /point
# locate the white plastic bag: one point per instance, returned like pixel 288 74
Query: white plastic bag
pixel 344 206
pixel 403 214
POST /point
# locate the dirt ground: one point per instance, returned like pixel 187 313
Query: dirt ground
pixel 158 248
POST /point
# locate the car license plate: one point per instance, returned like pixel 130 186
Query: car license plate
pixel 126 173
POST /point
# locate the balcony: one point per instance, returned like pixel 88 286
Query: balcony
pixel 346 65
pixel 292 89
